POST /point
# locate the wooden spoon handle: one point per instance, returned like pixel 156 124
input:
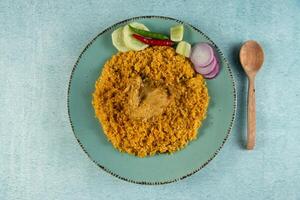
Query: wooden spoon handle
pixel 251 126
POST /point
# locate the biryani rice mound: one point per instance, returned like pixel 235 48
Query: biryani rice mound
pixel 150 101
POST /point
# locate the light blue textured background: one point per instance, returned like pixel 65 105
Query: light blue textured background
pixel 39 44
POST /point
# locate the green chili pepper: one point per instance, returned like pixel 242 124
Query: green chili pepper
pixel 149 33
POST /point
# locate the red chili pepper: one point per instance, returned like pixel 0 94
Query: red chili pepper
pixel 153 42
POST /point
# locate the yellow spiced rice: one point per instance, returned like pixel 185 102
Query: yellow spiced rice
pixel 150 101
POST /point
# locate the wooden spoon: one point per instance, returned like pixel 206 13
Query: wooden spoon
pixel 251 58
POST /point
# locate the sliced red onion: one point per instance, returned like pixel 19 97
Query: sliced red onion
pixel 213 73
pixel 202 54
pixel 207 69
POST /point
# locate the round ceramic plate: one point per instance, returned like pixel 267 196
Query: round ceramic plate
pixel 158 169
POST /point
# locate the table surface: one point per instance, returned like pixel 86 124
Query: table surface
pixel 39 44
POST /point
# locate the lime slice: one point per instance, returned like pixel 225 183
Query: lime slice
pixel 183 48
pixel 131 42
pixel 117 40
pixel 177 33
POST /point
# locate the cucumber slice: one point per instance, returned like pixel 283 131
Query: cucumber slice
pixel 176 33
pixel 183 48
pixel 118 41
pixel 131 42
